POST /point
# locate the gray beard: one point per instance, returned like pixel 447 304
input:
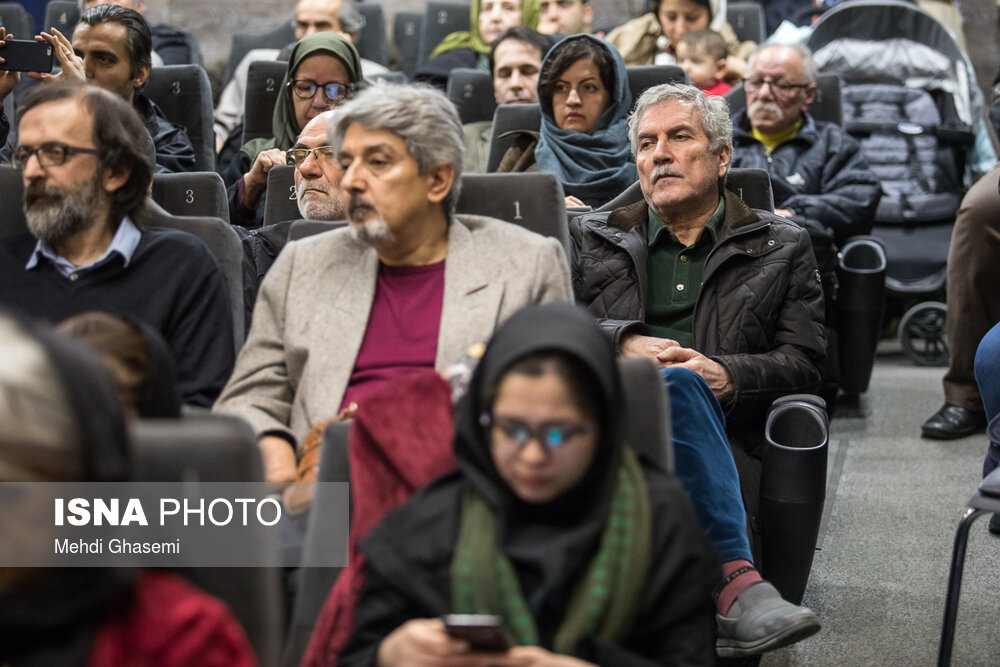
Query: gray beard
pixel 71 212
pixel 318 208
pixel 374 232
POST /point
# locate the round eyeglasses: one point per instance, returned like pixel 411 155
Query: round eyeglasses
pixel 550 435
pixel 335 92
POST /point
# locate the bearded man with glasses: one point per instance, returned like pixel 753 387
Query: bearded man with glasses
pixel 86 163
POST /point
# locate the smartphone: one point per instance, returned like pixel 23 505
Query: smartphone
pixel 484 632
pixel 22 55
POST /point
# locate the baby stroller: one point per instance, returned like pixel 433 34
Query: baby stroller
pixel 910 98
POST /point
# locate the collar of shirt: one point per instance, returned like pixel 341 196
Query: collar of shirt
pixel 657 229
pixel 123 243
pixel 772 141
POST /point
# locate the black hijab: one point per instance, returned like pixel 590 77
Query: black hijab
pixel 550 543
pixel 55 620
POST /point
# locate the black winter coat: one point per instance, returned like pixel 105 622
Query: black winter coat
pixel 759 313
pixel 821 175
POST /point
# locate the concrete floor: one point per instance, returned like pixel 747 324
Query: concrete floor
pixel 878 583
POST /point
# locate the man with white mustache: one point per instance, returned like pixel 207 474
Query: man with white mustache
pixel 819 176
pixel 726 301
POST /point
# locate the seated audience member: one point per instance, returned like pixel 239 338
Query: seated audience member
pixel 60 421
pixel 324 72
pixel 972 274
pixel 137 357
pixel 587 553
pixel 515 60
pixel 584 97
pixel 317 173
pixel 565 17
pixel 111 47
pixel 692 278
pixel 652 38
pixel 702 54
pixel 488 19
pixel 311 16
pixel 340 313
pixel 86 172
pixel 819 176
pixel 171 46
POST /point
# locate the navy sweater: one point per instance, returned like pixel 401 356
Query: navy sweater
pixel 173 283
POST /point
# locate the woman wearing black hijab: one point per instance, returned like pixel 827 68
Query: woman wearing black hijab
pixel 550 522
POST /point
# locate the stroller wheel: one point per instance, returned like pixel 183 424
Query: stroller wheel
pixel 922 334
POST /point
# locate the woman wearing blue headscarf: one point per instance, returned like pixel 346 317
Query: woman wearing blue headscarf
pixel 585 99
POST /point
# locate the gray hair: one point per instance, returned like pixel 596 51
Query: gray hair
pixel 713 111
pixel 419 115
pixel 809 70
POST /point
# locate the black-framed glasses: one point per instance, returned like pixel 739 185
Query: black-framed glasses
pixel 335 92
pixel 550 435
pixel 49 154
pixel 779 88
pixel 296 156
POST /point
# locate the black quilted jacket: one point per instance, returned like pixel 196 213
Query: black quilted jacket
pixel 759 312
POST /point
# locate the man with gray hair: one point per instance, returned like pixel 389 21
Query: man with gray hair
pixel 341 313
pixel 722 298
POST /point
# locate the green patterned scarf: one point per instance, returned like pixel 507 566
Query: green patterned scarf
pixel 605 600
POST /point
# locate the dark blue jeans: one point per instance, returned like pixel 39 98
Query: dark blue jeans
pixel 704 462
pixel 988 378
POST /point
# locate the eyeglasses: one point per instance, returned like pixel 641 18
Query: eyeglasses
pixel 779 88
pixel 296 156
pixel 335 92
pixel 551 435
pixel 49 155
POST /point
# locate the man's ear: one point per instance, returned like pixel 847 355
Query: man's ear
pixel 441 178
pixel 810 93
pixel 115 178
pixel 588 14
pixel 725 157
pixel 141 74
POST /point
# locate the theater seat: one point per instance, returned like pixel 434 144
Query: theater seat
pixel 440 20
pixel 18 21
pixel 647 411
pixel 300 229
pixel 184 95
pixel 209 447
pixel 195 193
pixel 62 15
pixel 322 537
pixel 12 221
pixel 263 87
pixel 471 91
pixel 371 43
pixel 407 28
pixel 281 203
pixel 508 119
pixel 641 77
pixel 751 185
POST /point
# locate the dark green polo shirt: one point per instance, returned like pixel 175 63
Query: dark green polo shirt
pixel 674 273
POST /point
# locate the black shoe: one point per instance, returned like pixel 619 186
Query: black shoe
pixel 952 422
pixel 995 524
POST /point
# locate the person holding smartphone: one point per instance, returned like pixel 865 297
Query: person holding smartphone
pixel 587 554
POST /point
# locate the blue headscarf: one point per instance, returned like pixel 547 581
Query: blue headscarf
pixel 595 166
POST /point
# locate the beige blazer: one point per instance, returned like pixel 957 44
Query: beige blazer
pixel 313 306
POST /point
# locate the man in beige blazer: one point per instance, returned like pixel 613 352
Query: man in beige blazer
pixel 330 302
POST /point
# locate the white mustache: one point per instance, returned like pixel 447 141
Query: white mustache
pixel 769 108
pixel 664 170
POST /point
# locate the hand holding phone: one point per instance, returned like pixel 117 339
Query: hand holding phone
pixel 8 79
pixel 484 632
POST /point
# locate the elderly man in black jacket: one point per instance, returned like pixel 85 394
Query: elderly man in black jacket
pixel 819 175
pixel 693 279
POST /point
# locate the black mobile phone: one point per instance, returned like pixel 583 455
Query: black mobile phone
pixel 484 632
pixel 23 55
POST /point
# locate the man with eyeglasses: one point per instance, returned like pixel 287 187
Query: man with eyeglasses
pixel 819 176
pixel 317 173
pixel 86 166
pixel 565 17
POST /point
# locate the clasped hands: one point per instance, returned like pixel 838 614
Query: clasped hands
pixel 667 353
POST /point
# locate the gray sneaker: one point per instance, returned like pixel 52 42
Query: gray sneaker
pixel 760 620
